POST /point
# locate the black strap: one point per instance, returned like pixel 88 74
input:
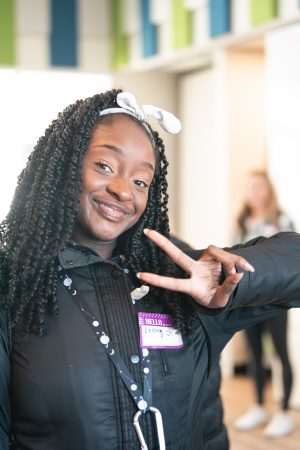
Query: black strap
pixel 142 400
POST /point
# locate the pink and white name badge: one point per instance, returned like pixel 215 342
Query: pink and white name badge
pixel 156 331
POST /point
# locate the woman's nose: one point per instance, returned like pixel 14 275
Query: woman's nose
pixel 120 187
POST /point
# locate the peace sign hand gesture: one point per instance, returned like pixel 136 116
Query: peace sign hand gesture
pixel 203 283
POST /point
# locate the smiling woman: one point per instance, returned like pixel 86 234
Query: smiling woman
pixel 90 357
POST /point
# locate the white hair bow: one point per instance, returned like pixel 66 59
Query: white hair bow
pixel 129 105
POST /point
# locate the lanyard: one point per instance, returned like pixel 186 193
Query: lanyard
pixel 143 400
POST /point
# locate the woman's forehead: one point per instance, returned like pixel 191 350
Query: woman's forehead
pixel 124 137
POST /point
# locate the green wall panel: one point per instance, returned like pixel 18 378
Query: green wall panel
pixel 182 25
pixel 7 33
pixel 120 43
pixel 263 11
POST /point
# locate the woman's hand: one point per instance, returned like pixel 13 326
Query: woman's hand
pixel 205 274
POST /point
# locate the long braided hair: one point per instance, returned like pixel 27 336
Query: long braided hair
pixel 43 212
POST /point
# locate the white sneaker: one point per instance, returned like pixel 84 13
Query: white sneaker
pixel 253 418
pixel 280 425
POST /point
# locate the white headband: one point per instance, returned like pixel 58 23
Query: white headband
pixel 129 105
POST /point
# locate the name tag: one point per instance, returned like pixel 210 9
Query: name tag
pixel 156 331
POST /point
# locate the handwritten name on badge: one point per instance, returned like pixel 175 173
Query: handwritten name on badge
pixel 156 331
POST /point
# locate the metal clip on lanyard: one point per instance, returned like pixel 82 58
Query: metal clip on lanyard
pixel 159 428
pixel 142 400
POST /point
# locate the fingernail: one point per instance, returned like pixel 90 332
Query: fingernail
pixel 146 231
pixel 138 275
pixel 238 279
pixel 249 267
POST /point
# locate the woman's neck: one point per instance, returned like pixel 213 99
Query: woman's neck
pixel 104 249
pixel 258 213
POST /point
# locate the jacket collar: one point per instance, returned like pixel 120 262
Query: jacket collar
pixel 76 255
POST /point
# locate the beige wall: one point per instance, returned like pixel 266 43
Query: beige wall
pixel 246 120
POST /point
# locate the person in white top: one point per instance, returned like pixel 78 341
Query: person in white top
pixel 261 216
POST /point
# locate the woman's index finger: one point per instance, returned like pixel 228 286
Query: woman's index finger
pixel 172 284
pixel 177 255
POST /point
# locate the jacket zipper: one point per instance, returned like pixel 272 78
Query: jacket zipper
pixel 164 362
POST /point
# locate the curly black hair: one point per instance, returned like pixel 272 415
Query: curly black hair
pixel 43 212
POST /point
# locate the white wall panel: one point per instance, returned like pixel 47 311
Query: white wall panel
pixel 288 8
pixel 203 157
pixel 94 54
pixel 33 52
pixel 32 33
pixel 131 16
pixel 33 16
pixel 94 30
pixel 201 24
pixel 135 48
pixel 160 11
pixel 165 38
pixel 240 16
pixel 283 112
pixel 94 18
pixel 192 5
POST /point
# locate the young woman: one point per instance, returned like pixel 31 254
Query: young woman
pixel 261 216
pixel 91 358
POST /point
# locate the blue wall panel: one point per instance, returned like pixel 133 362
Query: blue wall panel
pixel 219 17
pixel 63 39
pixel 149 31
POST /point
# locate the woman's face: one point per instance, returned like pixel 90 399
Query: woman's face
pixel 118 168
pixel 257 192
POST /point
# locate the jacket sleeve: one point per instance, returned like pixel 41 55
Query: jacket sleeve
pixel 276 280
pixel 260 295
pixel 4 381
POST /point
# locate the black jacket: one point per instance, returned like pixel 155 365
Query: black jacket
pixel 4 379
pixel 65 392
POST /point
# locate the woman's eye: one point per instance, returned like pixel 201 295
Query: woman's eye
pixel 104 167
pixel 141 184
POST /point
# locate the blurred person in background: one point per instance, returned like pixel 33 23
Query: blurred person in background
pixel 261 216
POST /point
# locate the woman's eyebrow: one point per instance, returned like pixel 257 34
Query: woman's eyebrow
pixel 119 150
pixel 149 165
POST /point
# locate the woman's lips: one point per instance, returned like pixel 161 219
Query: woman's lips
pixel 112 212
